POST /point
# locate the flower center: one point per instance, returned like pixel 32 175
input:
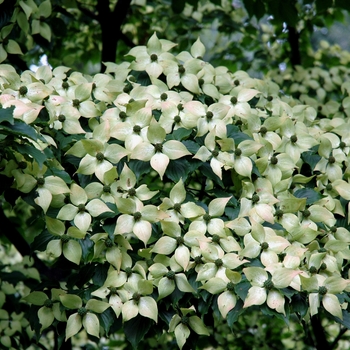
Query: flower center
pixel 263 130
pixel 218 262
pixel 180 240
pixel 154 57
pixel 177 119
pixel 238 152
pixel 331 160
pixel 274 160
pixel 137 216
pixel 100 157
pixel 181 69
pixel 216 238
pixel 61 118
pixel 128 271
pixel 209 115
pixel 268 284
pixel 106 189
pixel 40 181
pixel 177 207
pixel 206 217
pixel 82 311
pixel 170 275
pixel 136 129
pixel 131 192
pixel 108 243
pixel 322 290
pixel 264 245
pixel 136 297
pixel 76 103
pixel 234 100
pixel 255 198
pixel 48 303
pixel 64 238
pixel 293 138
pixel 184 320
pixel 23 90
pixel 158 147
pixel 230 286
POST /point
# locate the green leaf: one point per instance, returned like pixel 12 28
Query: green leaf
pixel 179 134
pixel 36 298
pixel 177 169
pixel 6 115
pixel 108 319
pixel 40 241
pixel 19 129
pixel 38 155
pixel 139 168
pixel 234 133
pixel 136 329
pixel 242 288
pixel 311 195
pixel 71 301
pixel 192 146
pixel 234 314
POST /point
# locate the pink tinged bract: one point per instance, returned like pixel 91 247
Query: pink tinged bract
pixel 226 302
pixel 256 296
pixel 275 300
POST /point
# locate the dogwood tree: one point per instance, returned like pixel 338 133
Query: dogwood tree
pixel 171 201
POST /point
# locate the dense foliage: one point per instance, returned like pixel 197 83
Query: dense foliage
pixel 170 202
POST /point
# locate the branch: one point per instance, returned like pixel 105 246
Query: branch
pixel 293 39
pixel 319 333
pixel 338 337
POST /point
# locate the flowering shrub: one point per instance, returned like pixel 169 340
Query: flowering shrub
pixel 166 192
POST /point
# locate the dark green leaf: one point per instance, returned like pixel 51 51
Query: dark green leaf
pixel 6 115
pixel 208 172
pixel 237 135
pixel 192 146
pixel 299 304
pixel 139 168
pixel 311 195
pixel 242 288
pixel 136 329
pixel 100 274
pixel 234 314
pixel 270 312
pixel 179 134
pixel 60 173
pixel 107 319
pixel 177 169
pixel 19 129
pixel 87 248
pixel 30 150
pixel 311 158
pixel 40 242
